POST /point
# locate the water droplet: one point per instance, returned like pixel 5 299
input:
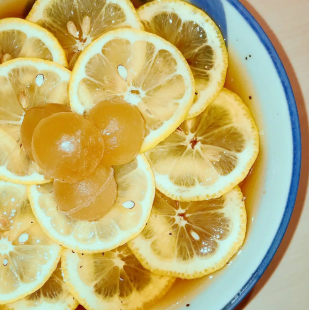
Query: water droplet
pixel 5 262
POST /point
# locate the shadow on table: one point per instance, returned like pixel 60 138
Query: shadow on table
pixel 303 185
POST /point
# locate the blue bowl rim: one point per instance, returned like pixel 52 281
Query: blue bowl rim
pixel 296 135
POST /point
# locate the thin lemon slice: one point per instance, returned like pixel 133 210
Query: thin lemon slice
pixel 20 38
pixel 140 68
pixel 191 239
pixel 207 155
pixel 15 164
pixel 126 219
pixel 25 83
pixel 77 23
pixel 27 256
pixel 112 280
pixel 199 39
pixel 53 295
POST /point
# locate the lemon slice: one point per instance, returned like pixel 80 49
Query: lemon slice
pixel 140 68
pixel 25 83
pixel 112 280
pixel 20 38
pixel 53 295
pixel 191 239
pixel 27 256
pixel 199 39
pixel 207 155
pixel 77 23
pixel 126 219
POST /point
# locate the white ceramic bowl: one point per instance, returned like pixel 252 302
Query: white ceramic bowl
pixel 272 189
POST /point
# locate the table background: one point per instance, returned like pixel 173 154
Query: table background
pixel 285 284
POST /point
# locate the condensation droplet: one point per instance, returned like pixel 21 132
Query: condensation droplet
pixel 23 238
pixel 128 204
pixel 5 262
pixel 195 235
pixel 122 72
pixel 39 80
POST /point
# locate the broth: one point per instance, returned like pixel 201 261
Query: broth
pixel 15 8
pixel 238 81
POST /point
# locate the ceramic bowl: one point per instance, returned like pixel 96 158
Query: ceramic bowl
pixel 258 76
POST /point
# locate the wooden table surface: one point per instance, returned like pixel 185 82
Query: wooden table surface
pixel 285 284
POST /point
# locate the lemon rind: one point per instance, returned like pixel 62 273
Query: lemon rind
pixel 67 303
pixel 190 270
pixel 223 185
pixel 71 243
pixel 67 265
pixel 189 13
pixel 39 64
pixel 39 6
pixel 48 269
pixel 180 115
pixel 41 33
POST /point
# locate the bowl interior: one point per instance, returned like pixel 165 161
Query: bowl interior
pixel 257 75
